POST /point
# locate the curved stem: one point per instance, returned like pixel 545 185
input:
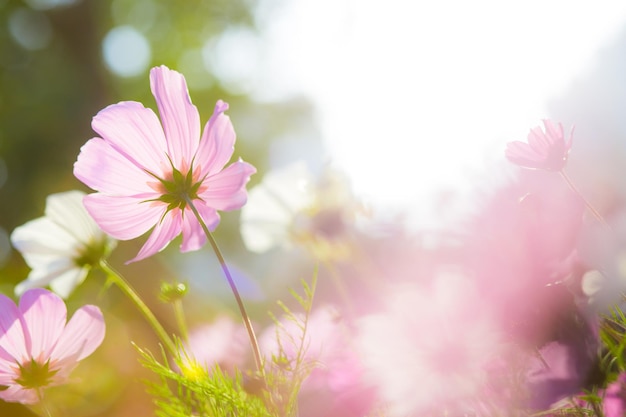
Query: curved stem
pixel 116 278
pixel 593 211
pixel 233 287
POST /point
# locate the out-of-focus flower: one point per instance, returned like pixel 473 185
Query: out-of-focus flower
pixel 604 252
pixel 614 402
pixel 62 246
pixel 545 149
pixel 39 347
pixel 222 343
pixel 272 205
pixel 291 207
pixel 521 246
pixel 440 336
pixel 334 386
pixel 147 172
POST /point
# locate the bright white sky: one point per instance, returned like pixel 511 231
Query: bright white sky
pixel 416 96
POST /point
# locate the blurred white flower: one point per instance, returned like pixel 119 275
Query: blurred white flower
pixel 272 206
pixel 61 247
pixel 605 288
pixel 290 207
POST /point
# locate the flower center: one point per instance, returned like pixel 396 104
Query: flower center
pixel 175 192
pixel 92 253
pixel 35 375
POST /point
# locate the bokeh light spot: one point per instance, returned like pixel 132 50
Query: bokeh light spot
pixel 234 58
pixel 30 29
pixel 126 51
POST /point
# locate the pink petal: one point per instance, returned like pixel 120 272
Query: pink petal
pixel 193 234
pixel 104 169
pixel 45 315
pixel 179 116
pixel 123 217
pixel 17 394
pixel 82 335
pixel 538 140
pixel 226 190
pixel 217 143
pixel 164 232
pixel 12 336
pixel 552 132
pixel 135 132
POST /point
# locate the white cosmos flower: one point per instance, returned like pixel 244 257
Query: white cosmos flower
pixel 61 247
pixel 267 218
pixel 292 207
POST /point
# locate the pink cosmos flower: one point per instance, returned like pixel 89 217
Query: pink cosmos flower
pixel 38 347
pixel 146 172
pixel 545 150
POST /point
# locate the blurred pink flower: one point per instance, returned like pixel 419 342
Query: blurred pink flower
pixel 614 403
pixel 222 342
pixel 335 386
pixel 429 349
pixel 38 347
pixel 545 150
pixel 145 171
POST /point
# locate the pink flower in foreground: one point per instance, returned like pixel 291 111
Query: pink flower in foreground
pixel 545 150
pixel 146 172
pixel 38 348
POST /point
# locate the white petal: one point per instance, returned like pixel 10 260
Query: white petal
pixel 67 210
pixel 43 237
pixel 272 206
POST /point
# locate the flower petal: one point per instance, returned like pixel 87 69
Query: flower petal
pixel 45 315
pixel 66 282
pixel 104 169
pixel 17 394
pixel 123 217
pixel 67 210
pixel 226 190
pixel 218 142
pixel 135 132
pixel 193 235
pixel 48 274
pixel 42 238
pixel 82 335
pixel 179 116
pixel 164 232
pixel 12 337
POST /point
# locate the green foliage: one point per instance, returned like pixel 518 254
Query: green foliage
pixel 196 392
pixel 290 367
pixel 193 391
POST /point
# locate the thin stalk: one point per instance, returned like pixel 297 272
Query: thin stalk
pixel 593 211
pixel 233 287
pixel 180 319
pixel 116 278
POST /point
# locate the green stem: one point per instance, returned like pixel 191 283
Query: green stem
pixel 593 211
pixel 116 278
pixel 233 287
pixel 180 319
